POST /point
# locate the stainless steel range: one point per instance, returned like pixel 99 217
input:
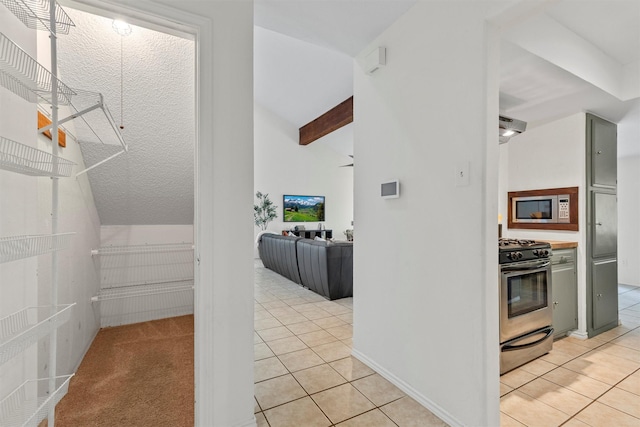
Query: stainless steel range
pixel 525 301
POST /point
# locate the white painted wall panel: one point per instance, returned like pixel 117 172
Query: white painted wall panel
pixel 628 214
pixel 425 311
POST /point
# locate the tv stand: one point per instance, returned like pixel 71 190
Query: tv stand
pixel 311 234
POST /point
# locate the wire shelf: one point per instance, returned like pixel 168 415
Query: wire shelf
pixel 123 306
pixel 35 15
pixel 122 266
pixel 95 123
pixel 142 249
pixel 25 77
pixel 30 403
pixel 18 247
pixel 27 160
pixel 20 330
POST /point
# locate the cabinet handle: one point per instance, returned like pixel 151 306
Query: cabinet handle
pixel 599 296
pixel 599 152
pixel 555 303
pixel 598 223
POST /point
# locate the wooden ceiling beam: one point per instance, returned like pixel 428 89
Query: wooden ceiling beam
pixel 338 116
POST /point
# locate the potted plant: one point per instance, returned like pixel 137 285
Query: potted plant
pixel 265 211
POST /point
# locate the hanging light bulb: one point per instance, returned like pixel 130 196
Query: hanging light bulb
pixel 121 27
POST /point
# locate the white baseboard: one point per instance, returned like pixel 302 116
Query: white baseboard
pixel 251 423
pixel 410 391
pixel 581 335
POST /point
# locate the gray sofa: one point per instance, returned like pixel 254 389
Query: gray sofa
pixel 278 253
pixel 324 267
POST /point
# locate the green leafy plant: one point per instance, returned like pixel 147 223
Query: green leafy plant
pixel 265 211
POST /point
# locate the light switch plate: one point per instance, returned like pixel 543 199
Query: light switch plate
pixel 462 174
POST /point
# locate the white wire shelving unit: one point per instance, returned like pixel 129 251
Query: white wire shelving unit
pixel 19 247
pixel 20 330
pixel 25 77
pixel 94 124
pixel 125 266
pixel 144 282
pixel 123 306
pixel 20 158
pixel 30 403
pixel 35 400
pixel 34 14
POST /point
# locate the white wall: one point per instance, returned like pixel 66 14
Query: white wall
pixel 282 166
pixel 18 210
pixel 551 156
pixel 628 215
pixel 425 265
pixel 123 235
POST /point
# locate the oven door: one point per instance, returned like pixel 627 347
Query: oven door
pixel 525 298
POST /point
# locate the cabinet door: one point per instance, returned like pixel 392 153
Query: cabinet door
pixel 604 224
pixel 565 300
pixel 605 293
pixel 603 136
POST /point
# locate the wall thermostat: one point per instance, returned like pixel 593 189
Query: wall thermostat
pixel 390 189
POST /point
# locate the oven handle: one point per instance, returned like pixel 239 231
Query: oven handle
pixel 531 344
pixel 520 267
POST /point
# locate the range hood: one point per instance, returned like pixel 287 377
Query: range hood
pixel 509 127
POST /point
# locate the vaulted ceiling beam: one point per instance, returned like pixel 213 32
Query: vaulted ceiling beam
pixel 338 116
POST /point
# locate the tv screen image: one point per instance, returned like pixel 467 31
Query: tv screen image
pixel 303 208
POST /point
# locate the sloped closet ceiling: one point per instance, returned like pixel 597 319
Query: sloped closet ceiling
pixel 153 183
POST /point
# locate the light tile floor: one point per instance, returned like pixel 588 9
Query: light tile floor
pixel 305 375
pixel 594 382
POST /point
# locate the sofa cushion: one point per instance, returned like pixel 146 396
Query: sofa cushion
pixel 278 253
pixel 326 268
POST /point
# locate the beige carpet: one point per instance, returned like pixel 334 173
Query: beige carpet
pixel 134 375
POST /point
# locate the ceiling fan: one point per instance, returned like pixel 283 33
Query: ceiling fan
pixel 350 165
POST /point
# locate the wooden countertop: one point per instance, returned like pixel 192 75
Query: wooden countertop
pixel 558 244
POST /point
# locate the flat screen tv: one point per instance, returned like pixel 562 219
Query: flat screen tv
pixel 303 208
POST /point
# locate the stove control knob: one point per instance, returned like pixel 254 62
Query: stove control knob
pixel 513 256
pixel 544 252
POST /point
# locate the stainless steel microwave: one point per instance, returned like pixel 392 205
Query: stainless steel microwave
pixel 541 209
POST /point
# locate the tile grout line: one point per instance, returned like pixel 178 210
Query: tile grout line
pixel 610 341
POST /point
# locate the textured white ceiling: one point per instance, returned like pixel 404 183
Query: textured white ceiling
pixel 153 183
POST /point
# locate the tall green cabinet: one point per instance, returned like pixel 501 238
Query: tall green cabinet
pixel 602 226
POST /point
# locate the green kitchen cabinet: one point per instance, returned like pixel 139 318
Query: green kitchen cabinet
pixel 601 225
pixel 564 291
